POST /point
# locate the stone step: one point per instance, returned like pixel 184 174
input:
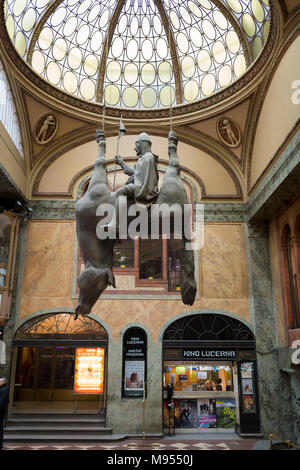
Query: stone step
pixel 57 430
pixel 57 414
pixel 55 421
pixel 60 438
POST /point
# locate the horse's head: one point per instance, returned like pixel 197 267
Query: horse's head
pixel 92 282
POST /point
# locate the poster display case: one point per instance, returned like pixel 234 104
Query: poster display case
pixel 134 363
pixel 89 371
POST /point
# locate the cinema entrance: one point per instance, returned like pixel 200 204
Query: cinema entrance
pixel 61 361
pixel 210 376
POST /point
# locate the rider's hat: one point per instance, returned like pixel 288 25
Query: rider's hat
pixel 144 137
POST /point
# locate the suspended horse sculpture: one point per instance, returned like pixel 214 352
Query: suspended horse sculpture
pixel 141 188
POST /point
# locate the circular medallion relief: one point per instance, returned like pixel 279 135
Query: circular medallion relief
pixel 229 131
pixel 45 128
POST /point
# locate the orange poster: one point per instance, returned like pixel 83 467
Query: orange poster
pixel 89 370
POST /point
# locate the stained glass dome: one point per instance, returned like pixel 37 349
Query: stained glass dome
pixel 139 54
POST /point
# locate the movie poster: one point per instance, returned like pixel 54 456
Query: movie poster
pixel 207 413
pixel 247 386
pixel 89 370
pixel 134 375
pixel 183 415
pixel 248 404
pixel 225 409
pixel 246 370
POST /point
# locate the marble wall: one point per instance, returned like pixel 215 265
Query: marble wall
pixel 50 270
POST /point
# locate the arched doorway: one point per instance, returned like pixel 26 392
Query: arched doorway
pixel 210 374
pixel 53 350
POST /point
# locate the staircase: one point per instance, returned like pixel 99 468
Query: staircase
pixel 57 427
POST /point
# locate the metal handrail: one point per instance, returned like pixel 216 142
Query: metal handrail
pixel 283 441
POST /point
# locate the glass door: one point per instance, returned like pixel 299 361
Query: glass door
pixel 45 373
pixel 63 380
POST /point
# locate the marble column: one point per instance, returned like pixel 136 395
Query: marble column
pixel 274 390
pixel 8 337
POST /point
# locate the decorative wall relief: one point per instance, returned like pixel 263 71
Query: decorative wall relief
pixel 229 131
pixel 45 128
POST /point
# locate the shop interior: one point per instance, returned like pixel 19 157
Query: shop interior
pixel 205 396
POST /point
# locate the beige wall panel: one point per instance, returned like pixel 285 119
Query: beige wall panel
pixel 49 257
pixel 279 114
pixel 12 161
pixel 58 176
pixel 223 262
pixel 154 314
pixel 37 109
pixel 239 114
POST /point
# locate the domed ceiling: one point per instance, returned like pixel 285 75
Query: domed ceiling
pixel 139 54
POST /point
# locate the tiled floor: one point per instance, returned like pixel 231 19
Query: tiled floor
pixel 135 444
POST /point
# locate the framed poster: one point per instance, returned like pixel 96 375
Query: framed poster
pixel 249 404
pixel 246 370
pixel 247 386
pixel 225 410
pixel 134 362
pixel 207 417
pixel 89 371
pixel 134 375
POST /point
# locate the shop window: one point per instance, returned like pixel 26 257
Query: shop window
pixel 175 260
pixel 151 259
pixel 123 256
pixel 192 378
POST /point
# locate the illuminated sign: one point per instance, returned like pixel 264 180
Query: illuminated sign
pixel 89 370
pixel 209 353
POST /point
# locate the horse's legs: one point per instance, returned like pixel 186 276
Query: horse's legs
pixel 188 283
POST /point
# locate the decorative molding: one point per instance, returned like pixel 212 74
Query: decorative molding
pixel 45 128
pixel 229 131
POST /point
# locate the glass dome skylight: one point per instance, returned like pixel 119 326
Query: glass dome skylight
pixel 139 54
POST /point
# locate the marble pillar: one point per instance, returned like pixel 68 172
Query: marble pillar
pixel 274 390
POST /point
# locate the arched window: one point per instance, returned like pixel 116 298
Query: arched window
pixel 8 114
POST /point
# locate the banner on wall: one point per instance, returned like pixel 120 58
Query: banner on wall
pixel 89 371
